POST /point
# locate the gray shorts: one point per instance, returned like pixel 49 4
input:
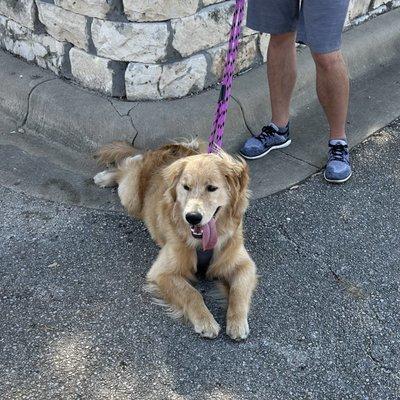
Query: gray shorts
pixel 319 23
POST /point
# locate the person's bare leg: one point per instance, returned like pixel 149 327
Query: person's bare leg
pixel 333 90
pixel 281 70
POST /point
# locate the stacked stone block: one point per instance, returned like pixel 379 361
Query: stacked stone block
pixel 141 50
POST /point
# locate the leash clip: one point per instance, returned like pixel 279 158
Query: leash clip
pixel 222 93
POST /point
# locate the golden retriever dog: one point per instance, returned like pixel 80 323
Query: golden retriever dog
pixel 189 202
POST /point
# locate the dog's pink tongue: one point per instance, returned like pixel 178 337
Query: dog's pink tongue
pixel 210 236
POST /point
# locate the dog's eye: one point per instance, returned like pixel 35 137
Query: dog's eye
pixel 186 187
pixel 211 188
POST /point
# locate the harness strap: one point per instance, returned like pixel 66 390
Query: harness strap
pixel 215 141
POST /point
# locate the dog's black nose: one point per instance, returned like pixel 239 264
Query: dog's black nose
pixel 194 218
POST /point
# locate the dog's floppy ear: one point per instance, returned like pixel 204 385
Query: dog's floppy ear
pixel 236 173
pixel 171 176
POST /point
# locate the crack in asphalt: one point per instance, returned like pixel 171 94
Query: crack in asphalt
pixel 243 113
pixel 135 130
pixel 300 159
pixel 376 361
pixel 351 288
pixel 29 101
pixel 115 108
pixel 280 151
pixel 297 247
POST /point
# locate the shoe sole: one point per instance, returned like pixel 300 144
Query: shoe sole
pixel 338 180
pixel 280 146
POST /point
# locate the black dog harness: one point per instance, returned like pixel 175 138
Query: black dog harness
pixel 204 258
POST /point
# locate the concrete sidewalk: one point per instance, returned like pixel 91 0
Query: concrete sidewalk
pixel 76 323
pixel 63 123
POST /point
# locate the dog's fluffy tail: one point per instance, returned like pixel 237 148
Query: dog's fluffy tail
pixel 115 152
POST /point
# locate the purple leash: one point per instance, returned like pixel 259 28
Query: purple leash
pixel 215 141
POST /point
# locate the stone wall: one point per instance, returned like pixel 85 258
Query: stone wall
pixel 138 49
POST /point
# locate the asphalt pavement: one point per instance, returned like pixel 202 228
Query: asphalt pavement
pixel 76 323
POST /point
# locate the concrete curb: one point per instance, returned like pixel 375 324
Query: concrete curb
pixel 82 120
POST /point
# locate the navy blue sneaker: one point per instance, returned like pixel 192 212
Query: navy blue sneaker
pixel 269 139
pixel 338 169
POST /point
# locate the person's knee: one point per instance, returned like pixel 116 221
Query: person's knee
pixel 282 40
pixel 328 61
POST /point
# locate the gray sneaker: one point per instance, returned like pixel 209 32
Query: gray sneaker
pixel 269 139
pixel 338 168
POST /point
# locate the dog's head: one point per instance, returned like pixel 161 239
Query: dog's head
pixel 204 188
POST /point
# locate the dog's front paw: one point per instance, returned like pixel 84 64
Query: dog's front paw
pixel 207 328
pixel 105 179
pixel 237 329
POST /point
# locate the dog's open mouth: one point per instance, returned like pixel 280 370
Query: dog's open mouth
pixel 197 231
pixel 206 233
